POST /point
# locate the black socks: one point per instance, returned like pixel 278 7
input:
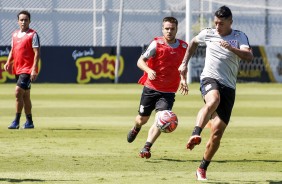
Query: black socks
pixel 148 145
pixel 204 164
pixel 197 130
pixel 18 117
pixel 29 117
pixel 137 129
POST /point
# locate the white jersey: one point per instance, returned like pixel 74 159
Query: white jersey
pixel 220 63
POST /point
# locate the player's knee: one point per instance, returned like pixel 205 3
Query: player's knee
pixel 18 93
pixel 212 105
pixel 215 101
pixel 216 136
pixel 141 120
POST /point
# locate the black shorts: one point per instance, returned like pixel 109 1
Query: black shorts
pixel 227 97
pixel 152 99
pixel 23 81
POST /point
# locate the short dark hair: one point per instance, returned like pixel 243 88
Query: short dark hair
pixel 223 12
pixel 25 13
pixel 171 20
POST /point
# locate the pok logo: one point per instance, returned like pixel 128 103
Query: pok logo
pixel 103 67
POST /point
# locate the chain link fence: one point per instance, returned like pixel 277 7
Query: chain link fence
pixel 95 22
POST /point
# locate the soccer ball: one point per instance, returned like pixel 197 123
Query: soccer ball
pixel 167 121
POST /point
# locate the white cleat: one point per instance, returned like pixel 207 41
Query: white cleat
pixel 201 174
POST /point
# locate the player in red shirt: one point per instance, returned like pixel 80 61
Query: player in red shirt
pixel 24 58
pixel 161 80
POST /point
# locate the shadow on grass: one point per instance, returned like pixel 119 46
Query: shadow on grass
pixel 216 161
pixel 245 160
pixel 232 181
pixel 14 180
pixel 172 160
pixel 92 129
pixel 274 182
pixel 249 182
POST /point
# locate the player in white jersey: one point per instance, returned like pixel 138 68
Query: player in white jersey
pixel 225 48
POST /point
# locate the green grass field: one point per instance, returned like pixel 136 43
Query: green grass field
pixel 80 137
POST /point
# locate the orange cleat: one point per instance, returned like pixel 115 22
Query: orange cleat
pixel 193 141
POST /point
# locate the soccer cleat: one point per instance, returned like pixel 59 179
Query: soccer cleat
pixel 201 174
pixel 14 125
pixel 132 135
pixel 193 141
pixel 28 125
pixel 145 153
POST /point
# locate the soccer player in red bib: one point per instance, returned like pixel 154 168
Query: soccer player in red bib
pixel 161 80
pixel 24 58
